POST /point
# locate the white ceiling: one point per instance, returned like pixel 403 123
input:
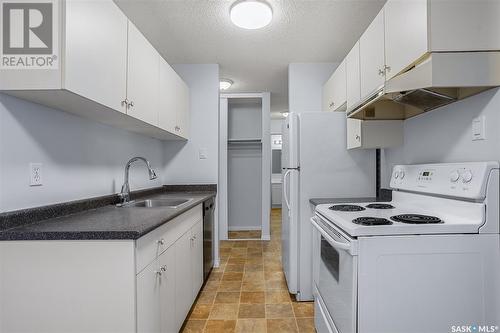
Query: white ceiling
pixel 200 31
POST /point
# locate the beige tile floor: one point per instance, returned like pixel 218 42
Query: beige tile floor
pixel 244 234
pixel 248 292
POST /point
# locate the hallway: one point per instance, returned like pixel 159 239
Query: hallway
pixel 248 292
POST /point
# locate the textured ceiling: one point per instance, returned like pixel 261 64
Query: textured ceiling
pixel 200 31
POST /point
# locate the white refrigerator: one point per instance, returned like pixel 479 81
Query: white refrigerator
pixel 316 164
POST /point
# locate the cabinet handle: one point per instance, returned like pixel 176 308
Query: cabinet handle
pixel 158 273
pixel 131 104
pixel 332 104
pixel 358 137
pixel 387 68
pixel 125 102
pixel 381 72
pixel 161 242
pixel 164 268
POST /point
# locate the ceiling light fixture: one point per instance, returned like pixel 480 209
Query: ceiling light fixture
pixel 251 14
pixel 224 84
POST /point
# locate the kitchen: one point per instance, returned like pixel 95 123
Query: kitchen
pixel 142 123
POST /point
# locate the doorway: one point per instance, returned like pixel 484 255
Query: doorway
pixel 245 166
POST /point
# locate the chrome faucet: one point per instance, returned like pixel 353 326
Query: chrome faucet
pixel 125 192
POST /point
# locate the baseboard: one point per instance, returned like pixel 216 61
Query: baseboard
pixel 266 237
pixel 252 228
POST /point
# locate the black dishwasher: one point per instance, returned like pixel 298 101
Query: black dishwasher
pixel 208 231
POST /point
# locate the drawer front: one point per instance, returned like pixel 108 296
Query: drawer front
pixel 154 243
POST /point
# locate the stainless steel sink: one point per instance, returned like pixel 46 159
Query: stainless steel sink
pixel 152 203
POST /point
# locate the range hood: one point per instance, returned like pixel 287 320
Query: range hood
pixel 437 80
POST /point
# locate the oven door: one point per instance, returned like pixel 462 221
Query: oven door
pixel 335 274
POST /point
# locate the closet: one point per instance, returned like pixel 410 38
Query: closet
pixel 245 166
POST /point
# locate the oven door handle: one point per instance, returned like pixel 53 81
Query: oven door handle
pixel 333 242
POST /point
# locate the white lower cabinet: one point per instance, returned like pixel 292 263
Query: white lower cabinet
pixel 148 299
pixel 197 258
pixel 183 277
pixel 146 285
pixel 369 134
pixel 167 291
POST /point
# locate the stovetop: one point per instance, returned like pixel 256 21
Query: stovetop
pixel 399 218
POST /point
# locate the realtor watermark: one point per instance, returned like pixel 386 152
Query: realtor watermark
pixel 474 329
pixel 29 34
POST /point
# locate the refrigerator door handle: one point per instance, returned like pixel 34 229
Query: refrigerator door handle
pixel 287 201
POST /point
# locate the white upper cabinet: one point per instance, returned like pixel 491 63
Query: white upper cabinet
pixel 334 90
pixel 95 67
pixel 405 34
pixel 107 72
pixel 143 77
pixel 372 59
pixel 173 101
pixel 353 90
pixel 168 103
pixel 182 108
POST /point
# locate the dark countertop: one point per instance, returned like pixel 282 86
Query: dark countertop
pixel 107 222
pixel 386 196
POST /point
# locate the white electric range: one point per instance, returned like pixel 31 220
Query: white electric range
pixel 428 261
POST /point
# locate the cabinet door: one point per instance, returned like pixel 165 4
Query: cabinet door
pixel 334 91
pixel 167 290
pixel 96 52
pixel 168 96
pixel 183 280
pixel 197 257
pixel 353 133
pixel 353 77
pixel 148 299
pixel 327 103
pixel 143 77
pixel 371 55
pixel 405 34
pixel 183 105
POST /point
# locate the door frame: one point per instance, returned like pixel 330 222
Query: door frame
pixel 266 162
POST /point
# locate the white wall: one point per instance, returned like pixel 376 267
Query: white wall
pixel 80 158
pixel 182 163
pixel 305 85
pixel 445 135
pixel 276 126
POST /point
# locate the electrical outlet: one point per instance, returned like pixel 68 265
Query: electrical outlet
pixel 35 174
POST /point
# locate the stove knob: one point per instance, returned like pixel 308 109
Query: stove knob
pixel 401 174
pixel 454 176
pixel 466 176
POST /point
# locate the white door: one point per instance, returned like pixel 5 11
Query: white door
pixel 405 34
pixel 371 51
pixel 167 105
pixel 167 290
pixel 197 257
pixel 148 299
pixel 183 278
pixel 96 52
pixel 143 77
pixel 353 89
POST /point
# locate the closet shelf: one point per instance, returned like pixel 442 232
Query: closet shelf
pixel 253 141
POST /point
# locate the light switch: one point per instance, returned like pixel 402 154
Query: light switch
pixel 202 153
pixel 478 128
